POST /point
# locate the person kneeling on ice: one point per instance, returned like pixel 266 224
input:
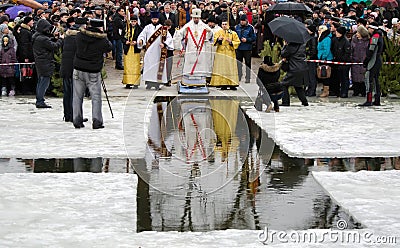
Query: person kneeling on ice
pixel 269 74
pixel 91 44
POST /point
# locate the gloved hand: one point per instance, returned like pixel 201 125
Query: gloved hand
pixel 365 63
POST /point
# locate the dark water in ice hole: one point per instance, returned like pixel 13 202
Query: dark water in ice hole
pixel 264 188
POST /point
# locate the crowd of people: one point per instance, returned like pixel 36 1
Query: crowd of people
pixel 213 37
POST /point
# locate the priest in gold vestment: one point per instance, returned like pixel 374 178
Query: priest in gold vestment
pixel 132 54
pixel 225 72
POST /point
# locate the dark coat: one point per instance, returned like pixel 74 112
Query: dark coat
pixel 68 53
pixel 297 75
pixel 341 49
pixel 44 48
pixel 171 17
pixel 24 40
pixel 270 80
pixel 7 55
pixel 118 25
pixel 91 44
pixel 311 48
pixel 358 54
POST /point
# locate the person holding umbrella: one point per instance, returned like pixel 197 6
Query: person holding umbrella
pixel 295 36
pixel 297 75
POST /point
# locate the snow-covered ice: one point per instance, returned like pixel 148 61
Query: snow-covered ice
pixel 333 129
pixel 371 197
pixel 28 132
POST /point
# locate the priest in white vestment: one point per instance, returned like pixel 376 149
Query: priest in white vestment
pixel 192 39
pixel 155 38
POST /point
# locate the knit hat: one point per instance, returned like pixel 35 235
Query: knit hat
pixel 243 17
pixel 27 19
pixel 362 31
pixel 2 27
pixel 341 30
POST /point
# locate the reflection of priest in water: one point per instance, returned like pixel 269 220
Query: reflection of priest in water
pixel 195 130
pixel 225 117
pixel 156 135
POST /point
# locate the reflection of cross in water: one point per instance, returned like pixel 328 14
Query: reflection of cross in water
pixel 199 141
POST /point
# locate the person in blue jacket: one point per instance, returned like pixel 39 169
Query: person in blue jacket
pixel 324 53
pixel 246 34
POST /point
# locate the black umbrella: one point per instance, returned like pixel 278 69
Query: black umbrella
pixel 289 29
pixel 6 6
pixel 290 8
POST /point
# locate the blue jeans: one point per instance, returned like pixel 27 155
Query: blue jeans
pixel 118 54
pixel 42 85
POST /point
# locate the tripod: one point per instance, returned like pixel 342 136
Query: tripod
pixel 105 92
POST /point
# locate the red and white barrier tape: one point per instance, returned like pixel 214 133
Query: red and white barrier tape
pixel 29 63
pixel 345 63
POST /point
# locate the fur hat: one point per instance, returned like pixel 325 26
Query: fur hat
pixel 97 23
pixel 70 19
pixel 27 19
pixel 362 31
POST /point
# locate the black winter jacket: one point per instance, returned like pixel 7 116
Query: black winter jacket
pixel 44 48
pixel 68 53
pixel 118 27
pixel 311 48
pixel 24 40
pixel 91 44
pixel 341 49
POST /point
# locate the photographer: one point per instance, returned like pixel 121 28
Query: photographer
pixel 45 42
pixel 91 44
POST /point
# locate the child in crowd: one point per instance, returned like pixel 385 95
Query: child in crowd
pixel 7 72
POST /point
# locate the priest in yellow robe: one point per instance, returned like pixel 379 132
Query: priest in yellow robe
pixel 132 65
pixel 225 72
